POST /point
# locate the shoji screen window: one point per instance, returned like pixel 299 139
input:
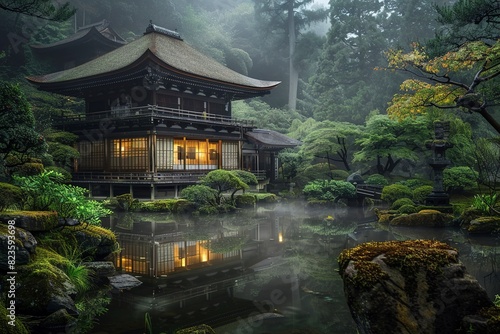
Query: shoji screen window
pixel 130 154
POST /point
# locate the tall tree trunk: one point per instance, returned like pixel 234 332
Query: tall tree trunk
pixel 294 74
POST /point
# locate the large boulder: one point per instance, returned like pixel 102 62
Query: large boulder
pixel 415 286
pixel 425 218
pixel 93 241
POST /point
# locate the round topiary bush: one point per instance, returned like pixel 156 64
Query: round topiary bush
pixel 394 192
pixel 407 209
pixel 421 193
pixel 400 202
pixel 377 179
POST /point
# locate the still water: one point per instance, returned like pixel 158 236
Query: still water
pixel 269 270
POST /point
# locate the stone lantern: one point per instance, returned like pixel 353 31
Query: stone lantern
pixel 439 197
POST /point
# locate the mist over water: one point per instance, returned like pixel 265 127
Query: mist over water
pixel 282 276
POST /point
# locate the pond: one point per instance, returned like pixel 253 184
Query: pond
pixel 269 270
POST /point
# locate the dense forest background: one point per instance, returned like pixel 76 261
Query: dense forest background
pixel 334 61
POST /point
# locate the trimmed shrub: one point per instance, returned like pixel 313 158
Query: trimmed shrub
pixel 394 192
pixel 377 179
pixel 420 193
pixel 400 202
pixel 245 201
pixel 329 190
pixel 407 209
pixel 414 183
pixel 339 174
pixel 459 178
pixel 11 195
pixel 265 197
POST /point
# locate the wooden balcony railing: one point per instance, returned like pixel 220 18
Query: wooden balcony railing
pixel 184 177
pixel 124 112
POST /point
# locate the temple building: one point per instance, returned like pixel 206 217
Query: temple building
pixel 158 116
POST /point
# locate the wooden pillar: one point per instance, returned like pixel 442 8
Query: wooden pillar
pixel 131 190
pixel 153 189
pixel 111 194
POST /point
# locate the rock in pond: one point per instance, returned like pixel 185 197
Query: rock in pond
pixel 414 286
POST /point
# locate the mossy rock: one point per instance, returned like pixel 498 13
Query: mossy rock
pixel 414 286
pixel 484 225
pixel 161 205
pixel 422 218
pixel 25 244
pixel 92 241
pixel 11 195
pixel 245 201
pixel 44 289
pixel 59 321
pixel 266 198
pixel 7 328
pixel 33 221
pixel 384 217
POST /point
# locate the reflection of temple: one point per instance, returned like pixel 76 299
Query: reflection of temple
pixel 161 249
pixel 184 282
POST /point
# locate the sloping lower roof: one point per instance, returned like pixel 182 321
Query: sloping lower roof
pixel 100 31
pixel 271 139
pixel 167 52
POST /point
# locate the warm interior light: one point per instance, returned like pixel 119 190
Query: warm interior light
pixel 280 237
pixel 126 264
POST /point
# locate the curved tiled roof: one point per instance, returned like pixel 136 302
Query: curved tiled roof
pixel 271 139
pixel 98 30
pixel 170 53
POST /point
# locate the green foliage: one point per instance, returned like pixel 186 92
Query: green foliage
pixel 200 194
pixel 62 137
pixel 17 127
pixel 407 209
pixel 43 9
pixel 246 177
pixel 393 140
pixel 414 183
pixel 400 202
pixel 126 202
pixel 459 178
pixel 66 176
pixel 245 201
pixel 329 190
pixel 485 203
pixel 63 155
pixel 421 193
pixel 290 163
pixel 11 195
pixel 393 192
pixel 222 181
pixel 487 162
pixel 46 192
pixel 377 179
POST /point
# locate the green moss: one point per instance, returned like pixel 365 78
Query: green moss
pixel 11 195
pixel 400 202
pixel 35 220
pixel 265 197
pixel 184 206
pixel 18 327
pixel 409 257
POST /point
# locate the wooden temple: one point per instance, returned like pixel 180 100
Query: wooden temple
pixel 158 116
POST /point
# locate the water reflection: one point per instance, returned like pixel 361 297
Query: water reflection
pixel 264 271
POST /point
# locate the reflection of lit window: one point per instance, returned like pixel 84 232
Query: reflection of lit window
pixel 126 264
pixel 280 237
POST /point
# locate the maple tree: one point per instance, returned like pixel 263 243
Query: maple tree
pixel 465 79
